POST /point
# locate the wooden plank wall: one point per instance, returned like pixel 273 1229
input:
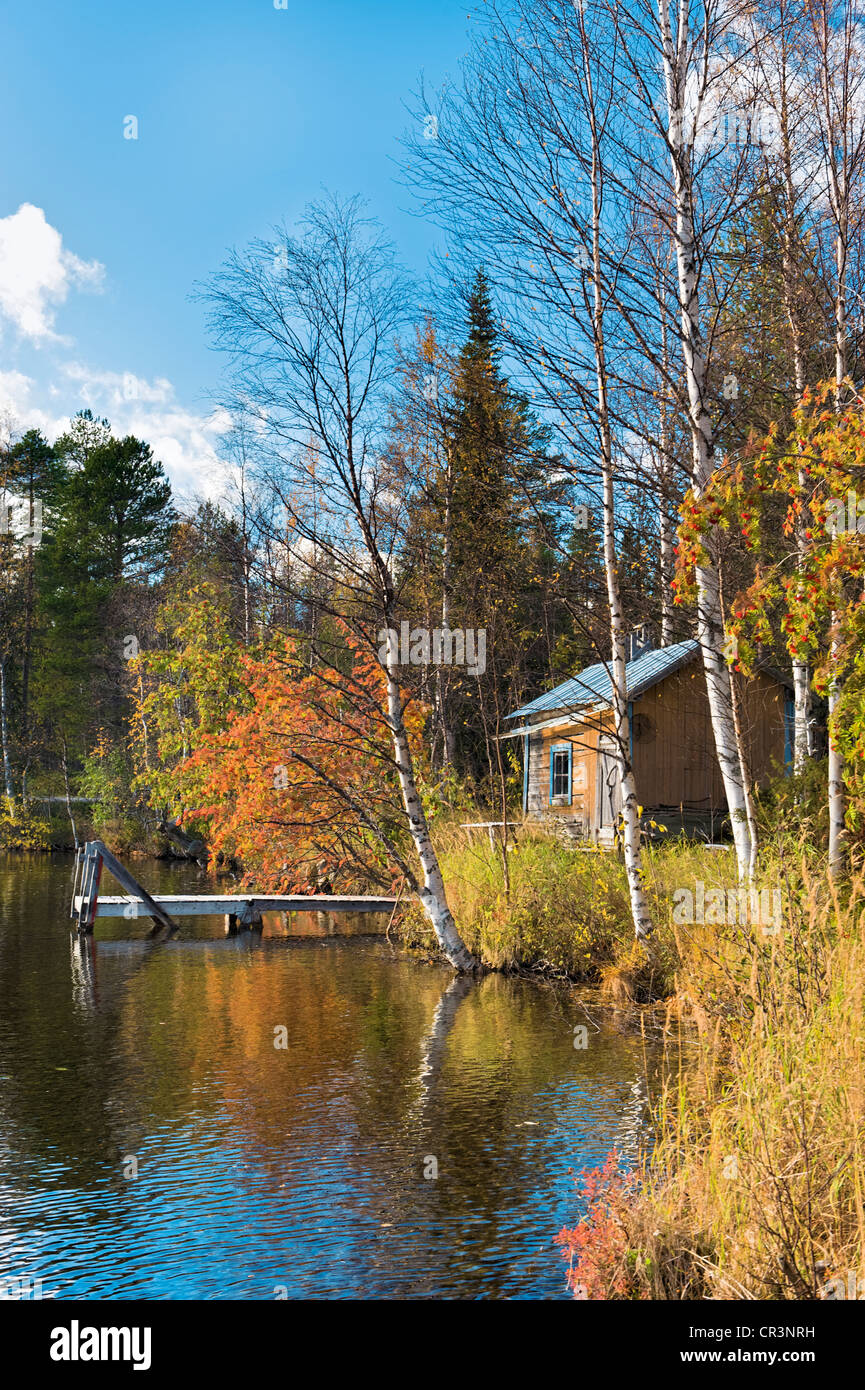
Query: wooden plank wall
pixel 674 750
pixel 763 706
pixel 674 753
pixel 538 788
pixel 584 741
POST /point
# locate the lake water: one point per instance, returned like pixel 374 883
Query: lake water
pixel 156 1143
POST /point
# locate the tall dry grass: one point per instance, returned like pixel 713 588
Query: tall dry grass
pixel 551 908
pixel 755 1184
pixel 564 910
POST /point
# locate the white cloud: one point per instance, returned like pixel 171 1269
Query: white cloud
pixel 185 441
pixel 18 411
pixel 108 390
pixel 187 444
pixel 37 273
pixel 36 276
pixel 15 389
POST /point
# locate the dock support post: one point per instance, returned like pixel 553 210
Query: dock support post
pixel 79 855
pixel 96 855
pixel 250 918
pixel 91 874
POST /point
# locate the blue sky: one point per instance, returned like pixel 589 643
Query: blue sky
pixel 245 113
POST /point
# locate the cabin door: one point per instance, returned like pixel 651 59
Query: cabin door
pixel 609 799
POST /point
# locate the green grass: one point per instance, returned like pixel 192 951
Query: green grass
pixel 565 911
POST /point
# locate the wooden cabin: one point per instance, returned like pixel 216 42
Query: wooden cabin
pixel 569 763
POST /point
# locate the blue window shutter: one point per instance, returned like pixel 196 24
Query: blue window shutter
pixel 556 750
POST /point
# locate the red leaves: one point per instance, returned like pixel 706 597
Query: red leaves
pixel 597 1248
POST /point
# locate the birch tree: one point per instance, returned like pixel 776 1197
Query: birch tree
pixel 521 173
pixel 835 32
pixel 783 87
pixel 308 323
pixel 421 426
pixel 807 62
pixel 621 716
pixel 680 64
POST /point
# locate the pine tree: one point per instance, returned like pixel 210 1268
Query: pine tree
pixel 106 537
pixel 30 472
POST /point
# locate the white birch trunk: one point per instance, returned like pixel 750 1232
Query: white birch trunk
pixel 665 479
pixel 665 537
pixel 835 789
pixel 8 782
pixel 622 725
pixel 802 749
pixel 432 892
pixel 842 137
pixel 801 716
pixel 747 785
pixel 447 734
pixel 710 626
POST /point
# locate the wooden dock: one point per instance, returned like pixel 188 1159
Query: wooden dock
pixel 232 904
pixel 241 911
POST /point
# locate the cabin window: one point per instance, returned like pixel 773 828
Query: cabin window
pixel 560 773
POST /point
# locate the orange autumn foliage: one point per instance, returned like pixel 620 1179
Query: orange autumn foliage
pixel 300 786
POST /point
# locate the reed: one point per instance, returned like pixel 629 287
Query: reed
pixel 754 1184
pixel 753 1187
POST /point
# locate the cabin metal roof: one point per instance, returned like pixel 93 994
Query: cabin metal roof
pixel 593 686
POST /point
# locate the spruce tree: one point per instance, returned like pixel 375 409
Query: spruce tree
pixel 508 518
